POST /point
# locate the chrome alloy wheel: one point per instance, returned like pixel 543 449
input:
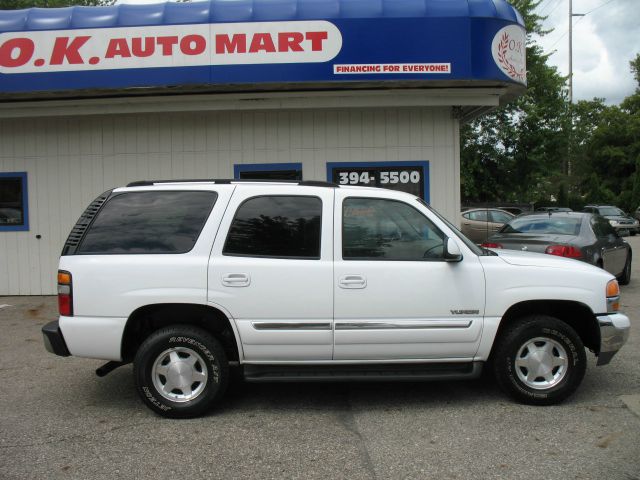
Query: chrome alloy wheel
pixel 179 374
pixel 541 363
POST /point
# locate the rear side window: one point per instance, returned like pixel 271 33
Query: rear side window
pixel 276 226
pixel 148 222
pixel 478 216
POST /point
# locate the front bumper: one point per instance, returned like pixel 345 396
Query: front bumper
pixel 614 331
pixel 53 339
pixel 629 228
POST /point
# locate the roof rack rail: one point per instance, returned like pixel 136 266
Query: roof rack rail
pixel 223 181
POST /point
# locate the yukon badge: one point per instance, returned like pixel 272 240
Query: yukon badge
pixel 465 312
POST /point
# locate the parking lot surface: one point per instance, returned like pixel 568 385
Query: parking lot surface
pixel 59 420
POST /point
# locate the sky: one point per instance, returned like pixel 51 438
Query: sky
pixel 604 41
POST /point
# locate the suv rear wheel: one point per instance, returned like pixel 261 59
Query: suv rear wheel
pixel 181 371
pixel 539 360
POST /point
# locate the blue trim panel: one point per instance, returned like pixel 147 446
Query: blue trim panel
pixel 398 164
pixel 238 168
pixel 25 203
pixel 217 11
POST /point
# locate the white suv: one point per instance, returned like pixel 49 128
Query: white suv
pixel 309 281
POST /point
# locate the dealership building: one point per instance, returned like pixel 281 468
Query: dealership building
pixel 360 92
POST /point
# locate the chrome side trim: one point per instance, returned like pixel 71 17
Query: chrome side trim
pixel 291 326
pixel 359 362
pixel 401 325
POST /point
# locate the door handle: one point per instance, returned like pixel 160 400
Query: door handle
pixel 236 280
pixel 352 281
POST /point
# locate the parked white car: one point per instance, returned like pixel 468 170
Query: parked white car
pixel 309 281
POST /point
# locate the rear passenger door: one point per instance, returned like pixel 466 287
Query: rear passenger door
pixel 271 268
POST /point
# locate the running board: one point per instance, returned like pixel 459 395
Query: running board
pixel 375 372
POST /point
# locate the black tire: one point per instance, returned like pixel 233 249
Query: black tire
pixel 521 383
pixel 625 276
pixel 182 351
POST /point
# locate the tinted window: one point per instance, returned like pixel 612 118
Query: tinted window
pixel 544 225
pixel 149 222
pixel 610 212
pixel 378 229
pixel 276 226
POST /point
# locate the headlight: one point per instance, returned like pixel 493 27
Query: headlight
pixel 612 222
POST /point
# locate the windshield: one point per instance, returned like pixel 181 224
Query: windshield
pixel 551 225
pixel 472 246
pixel 610 212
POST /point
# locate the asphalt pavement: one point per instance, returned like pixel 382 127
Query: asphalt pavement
pixel 58 420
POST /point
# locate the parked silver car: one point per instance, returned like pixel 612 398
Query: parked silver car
pixel 478 224
pixel 583 236
pixel 623 223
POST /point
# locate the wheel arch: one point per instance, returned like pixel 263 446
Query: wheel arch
pixel 575 314
pixel 149 318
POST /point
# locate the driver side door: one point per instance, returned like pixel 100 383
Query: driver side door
pixel 395 295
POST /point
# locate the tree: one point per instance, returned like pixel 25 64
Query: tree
pixel 517 152
pixel 609 164
pixel 20 4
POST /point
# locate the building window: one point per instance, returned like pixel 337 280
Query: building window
pixel 268 171
pixel 14 208
pixel 277 227
pixel 410 176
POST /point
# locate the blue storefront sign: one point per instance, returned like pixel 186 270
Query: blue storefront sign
pixel 261 42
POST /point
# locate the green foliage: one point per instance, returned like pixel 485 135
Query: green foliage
pixel 19 4
pixel 516 153
pixel 608 168
pixel 540 148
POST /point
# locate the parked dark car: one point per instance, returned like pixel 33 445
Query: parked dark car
pixel 623 223
pixel 478 224
pixel 582 236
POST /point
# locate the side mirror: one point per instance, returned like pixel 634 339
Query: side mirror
pixel 452 251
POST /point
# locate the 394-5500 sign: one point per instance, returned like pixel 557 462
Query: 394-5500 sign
pixel 359 178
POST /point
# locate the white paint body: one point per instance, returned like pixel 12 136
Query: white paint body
pixel 405 311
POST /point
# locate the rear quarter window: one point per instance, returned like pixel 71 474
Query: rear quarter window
pixel 148 222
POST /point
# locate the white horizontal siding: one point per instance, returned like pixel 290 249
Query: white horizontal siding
pixel 71 160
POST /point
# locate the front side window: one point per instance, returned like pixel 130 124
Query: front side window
pixel 499 217
pixel 277 227
pixel 149 222
pixel 380 229
pixel 13 202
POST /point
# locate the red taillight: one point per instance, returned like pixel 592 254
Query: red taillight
pixel 564 251
pixel 65 294
pixel 491 245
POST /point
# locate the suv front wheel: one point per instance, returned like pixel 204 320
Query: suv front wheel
pixel 539 360
pixel 181 371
